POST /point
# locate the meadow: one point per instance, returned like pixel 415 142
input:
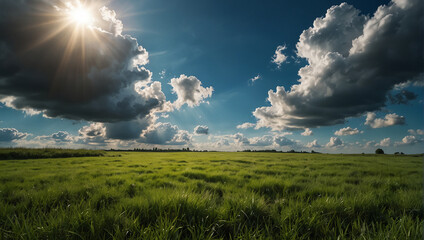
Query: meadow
pixel 193 195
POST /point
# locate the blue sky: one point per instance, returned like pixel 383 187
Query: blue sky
pixel 361 87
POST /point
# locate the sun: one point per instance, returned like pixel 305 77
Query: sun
pixel 81 16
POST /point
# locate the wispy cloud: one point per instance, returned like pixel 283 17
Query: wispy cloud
pixel 279 57
pixel 254 79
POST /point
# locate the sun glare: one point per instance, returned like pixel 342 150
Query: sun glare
pixel 81 16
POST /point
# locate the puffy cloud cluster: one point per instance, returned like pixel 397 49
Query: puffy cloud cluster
pixel 353 63
pixel 59 138
pixel 115 25
pixel 164 134
pixel 222 142
pixel 216 142
pixel 240 139
pixel 416 132
pixel 388 120
pixel 246 125
pixel 62 136
pixel 93 130
pixel 86 73
pixel 307 132
pixel 410 140
pixel 93 134
pixel 201 130
pixel 347 131
pixel 11 134
pixel 370 144
pixel 266 140
pixel 384 142
pixel 279 57
pixel 189 91
pixel 283 141
pixel 313 144
pixel 263 141
pixel 334 142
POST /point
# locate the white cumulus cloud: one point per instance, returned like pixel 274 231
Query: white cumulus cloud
pixel 347 131
pixel 335 142
pixel 307 132
pixel 354 61
pixel 313 144
pixel 388 120
pixel 189 91
pixel 409 140
pixel 384 142
pixel 246 125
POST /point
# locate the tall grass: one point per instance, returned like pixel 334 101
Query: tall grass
pixel 213 196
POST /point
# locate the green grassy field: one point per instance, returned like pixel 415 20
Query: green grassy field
pixel 130 195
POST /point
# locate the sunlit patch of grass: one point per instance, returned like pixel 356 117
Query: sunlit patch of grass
pixel 212 196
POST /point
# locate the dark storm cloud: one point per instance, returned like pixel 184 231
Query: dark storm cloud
pixel 402 97
pixel 91 77
pixel 353 63
pixel 128 130
pixel 201 130
pixel 10 134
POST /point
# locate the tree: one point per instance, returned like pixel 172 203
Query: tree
pixel 379 151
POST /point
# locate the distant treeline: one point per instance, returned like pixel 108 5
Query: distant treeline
pixel 190 150
pixel 273 150
pixel 28 153
pixel 158 150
